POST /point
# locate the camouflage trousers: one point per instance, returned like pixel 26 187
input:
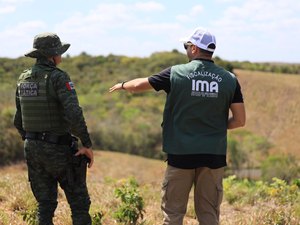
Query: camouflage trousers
pixel 48 166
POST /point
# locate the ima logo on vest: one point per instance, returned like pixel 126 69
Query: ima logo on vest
pixel 203 88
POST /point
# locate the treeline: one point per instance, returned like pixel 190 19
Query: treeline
pixel 117 121
pixel 282 68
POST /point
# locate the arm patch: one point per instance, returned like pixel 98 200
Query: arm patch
pixel 70 86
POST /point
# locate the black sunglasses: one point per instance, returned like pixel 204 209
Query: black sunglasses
pixel 186 45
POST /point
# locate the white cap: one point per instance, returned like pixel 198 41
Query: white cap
pixel 202 39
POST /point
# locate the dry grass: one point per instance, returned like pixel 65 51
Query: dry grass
pixel 273 108
pixel 109 169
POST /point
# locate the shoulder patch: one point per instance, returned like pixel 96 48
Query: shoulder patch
pixel 70 86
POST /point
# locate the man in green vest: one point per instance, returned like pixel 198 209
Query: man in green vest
pixel 47 113
pixel 200 95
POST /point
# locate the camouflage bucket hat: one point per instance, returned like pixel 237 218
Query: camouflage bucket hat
pixel 47 45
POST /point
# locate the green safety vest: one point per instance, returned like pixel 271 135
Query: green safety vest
pixel 197 108
pixel 40 109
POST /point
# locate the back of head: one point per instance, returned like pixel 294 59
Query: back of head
pixel 203 39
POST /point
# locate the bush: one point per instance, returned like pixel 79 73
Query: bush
pixel 30 215
pixel 246 149
pixel 244 191
pixel 285 167
pixel 97 218
pixel 131 209
pixel 11 144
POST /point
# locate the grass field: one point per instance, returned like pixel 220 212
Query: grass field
pixel 273 108
pixel 110 169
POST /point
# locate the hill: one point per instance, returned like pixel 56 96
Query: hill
pixel 131 122
pixel 244 202
pixel 273 108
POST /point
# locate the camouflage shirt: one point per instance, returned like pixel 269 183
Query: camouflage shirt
pixel 64 93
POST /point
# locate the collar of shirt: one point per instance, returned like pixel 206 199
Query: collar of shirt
pixel 208 60
pixel 45 61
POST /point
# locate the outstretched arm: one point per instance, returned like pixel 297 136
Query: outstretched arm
pixel 238 118
pixel 135 85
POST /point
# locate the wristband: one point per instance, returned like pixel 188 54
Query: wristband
pixel 122 86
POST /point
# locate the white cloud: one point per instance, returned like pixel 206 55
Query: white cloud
pixel 149 6
pixel 183 18
pixel 23 29
pixel 189 16
pixel 243 28
pixel 157 27
pixel 10 6
pixel 259 25
pixel 258 12
pixel 18 39
pixel 103 16
pixel 93 31
pixel 109 27
pixel 97 23
pixel 196 10
pixel 7 9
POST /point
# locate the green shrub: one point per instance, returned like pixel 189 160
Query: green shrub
pixel 11 144
pixel 277 217
pixel 30 216
pixel 249 192
pixel 283 192
pixel 246 149
pixel 131 208
pixel 97 218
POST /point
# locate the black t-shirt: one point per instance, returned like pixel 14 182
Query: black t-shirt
pixel 161 81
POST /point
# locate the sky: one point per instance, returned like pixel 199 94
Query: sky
pixel 245 30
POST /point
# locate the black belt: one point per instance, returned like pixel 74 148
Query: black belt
pixel 50 138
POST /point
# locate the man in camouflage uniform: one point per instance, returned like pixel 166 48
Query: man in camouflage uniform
pixel 47 114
